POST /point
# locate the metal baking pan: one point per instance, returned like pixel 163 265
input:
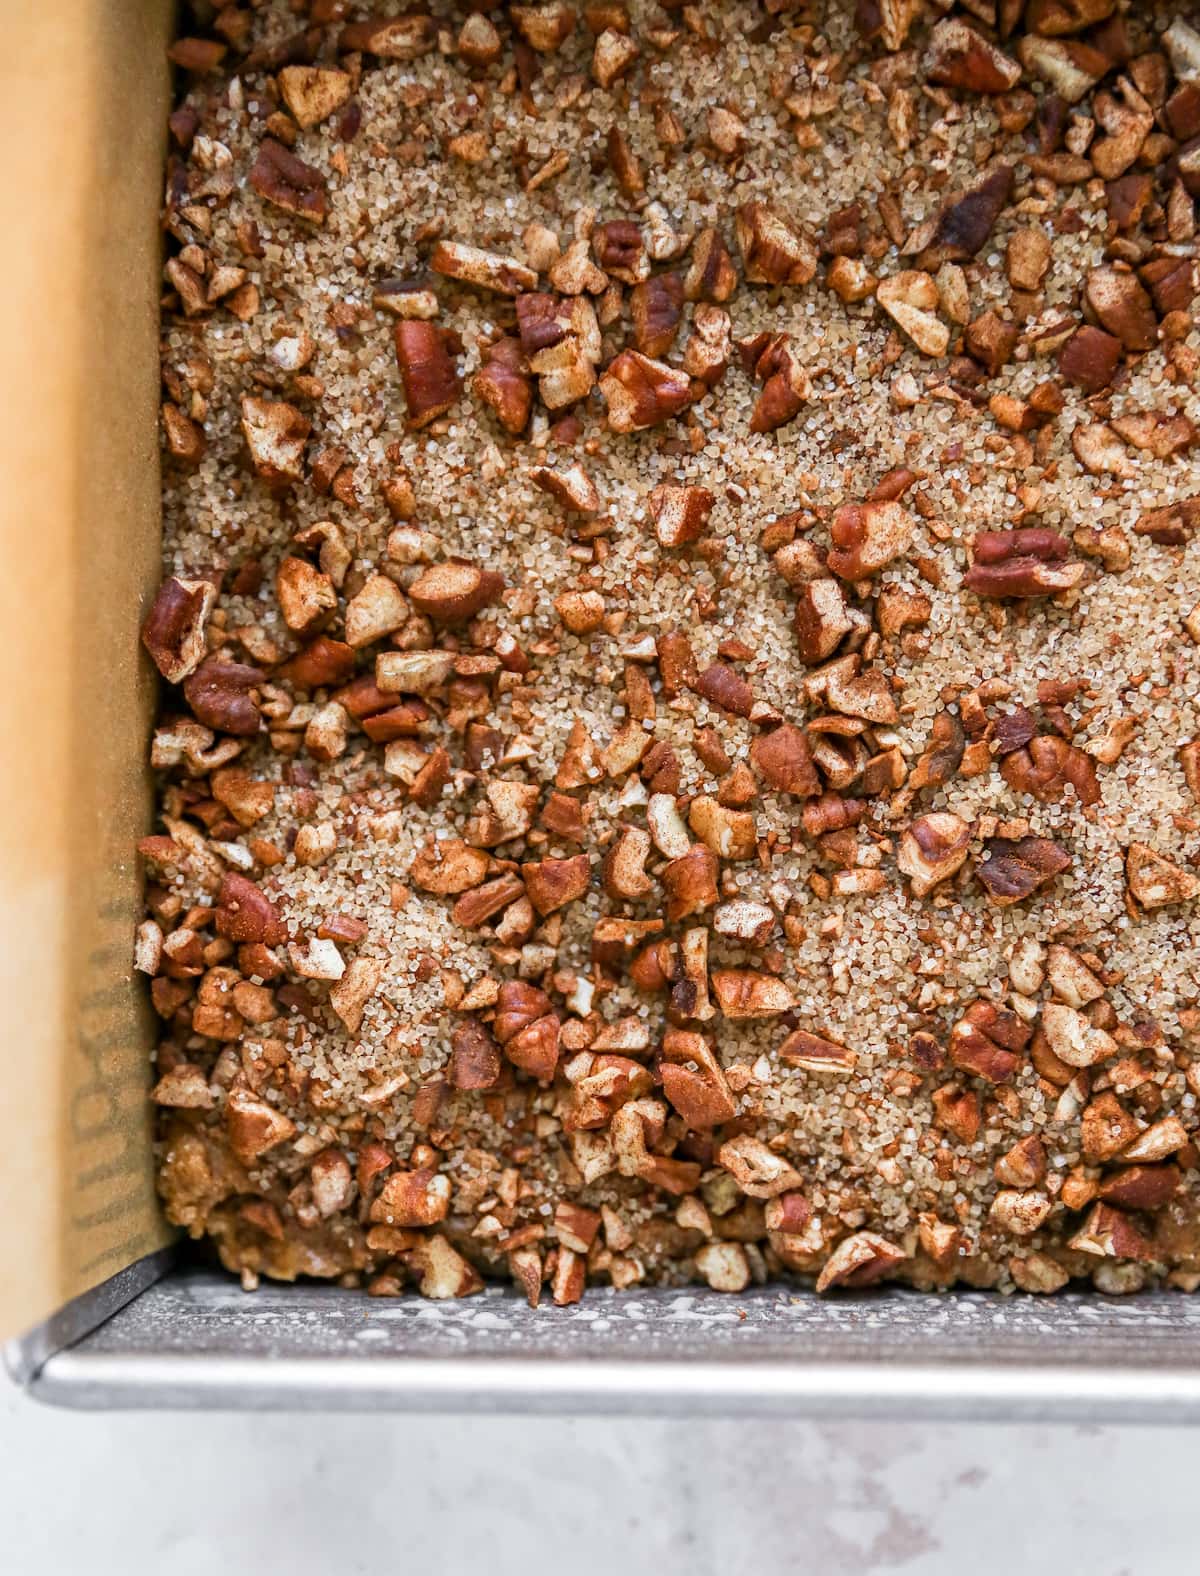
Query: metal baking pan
pixel 193 1338
pixel 136 1324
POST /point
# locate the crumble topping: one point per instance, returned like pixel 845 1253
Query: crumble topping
pixel 680 745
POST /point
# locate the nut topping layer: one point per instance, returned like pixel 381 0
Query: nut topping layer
pixel 680 645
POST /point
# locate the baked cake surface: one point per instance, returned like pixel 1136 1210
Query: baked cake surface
pixel 680 624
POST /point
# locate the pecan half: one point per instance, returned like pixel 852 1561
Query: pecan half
pixel 1015 868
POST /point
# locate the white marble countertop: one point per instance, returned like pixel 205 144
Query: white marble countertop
pixel 187 1494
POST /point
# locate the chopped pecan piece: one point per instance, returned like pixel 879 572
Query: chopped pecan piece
pixel 679 513
pixel 254 1127
pixel 173 632
pixel 245 913
pixel 942 756
pixel 573 488
pixel 474 1057
pixel 814 1053
pixel 1020 1210
pixel 724 688
pixel 613 56
pixel 773 251
pixel 453 592
pixel 488 270
pixel 706 354
pixel 1122 307
pixel 1172 524
pixel 427 372
pixel 1141 1187
pixel 286 181
pixel 305 594
pixel 964 222
pixel 988 1041
pixel 1072 1038
pixel 1046 766
pixel 313 93
pixel 932 849
pixel 1110 1233
pixel 656 309
pixel 910 298
pixel 758 1171
pixel 399 38
pixel 860 1260
pixel 641 393
pixel 319 665
pixel 553 883
pixel 1015 868
pixel 1090 358
pixel 821 619
pixel 959 57
pixel 1029 562
pixel 711 275
pixel 544 27
pixel 867 536
pixel 786 384
pixel 694 1081
pixel 745 993
pixel 1155 881
pixel 621 251
pixel 275 433
pixel 222 696
pixel 690 882
pixel 503 383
